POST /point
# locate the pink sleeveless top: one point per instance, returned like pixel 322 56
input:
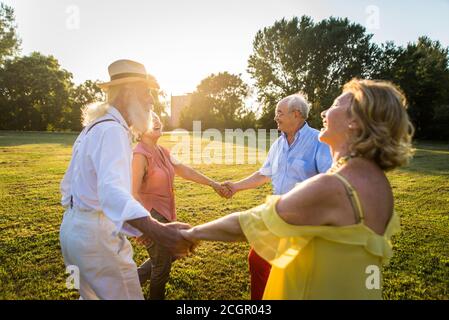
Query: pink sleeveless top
pixel 156 191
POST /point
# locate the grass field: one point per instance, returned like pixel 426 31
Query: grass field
pixel 31 266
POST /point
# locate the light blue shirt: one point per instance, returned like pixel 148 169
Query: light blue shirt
pixel 288 165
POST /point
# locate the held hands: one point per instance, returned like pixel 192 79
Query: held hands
pixel 231 188
pixel 189 235
pixel 226 190
pixel 169 236
pixel 181 247
pixel 179 238
pixel 221 190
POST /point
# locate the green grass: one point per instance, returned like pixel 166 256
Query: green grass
pixel 31 266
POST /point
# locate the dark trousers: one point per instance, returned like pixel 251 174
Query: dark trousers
pixel 157 267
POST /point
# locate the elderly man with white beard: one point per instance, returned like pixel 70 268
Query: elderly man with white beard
pixel 96 191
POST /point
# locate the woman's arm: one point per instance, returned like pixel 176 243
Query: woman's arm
pixel 191 174
pixel 314 202
pixel 226 229
pixel 301 206
pixel 139 168
pixel 310 203
pixel 253 181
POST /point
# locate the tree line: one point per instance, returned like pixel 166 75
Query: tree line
pixel 317 59
pixel 290 56
pixel 37 94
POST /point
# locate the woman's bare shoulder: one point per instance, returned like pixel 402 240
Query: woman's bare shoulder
pixel 139 158
pixel 311 202
pixel 375 194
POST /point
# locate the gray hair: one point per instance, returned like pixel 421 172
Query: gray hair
pixel 297 102
pixel 95 110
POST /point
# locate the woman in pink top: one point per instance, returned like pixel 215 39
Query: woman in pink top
pixel 154 171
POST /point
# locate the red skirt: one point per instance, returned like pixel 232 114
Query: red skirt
pixel 259 270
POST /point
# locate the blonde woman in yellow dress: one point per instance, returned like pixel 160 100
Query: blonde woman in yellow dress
pixel 329 237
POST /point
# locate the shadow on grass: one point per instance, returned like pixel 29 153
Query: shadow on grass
pixel 431 158
pixel 17 138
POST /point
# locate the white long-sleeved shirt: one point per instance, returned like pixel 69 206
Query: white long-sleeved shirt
pixel 99 173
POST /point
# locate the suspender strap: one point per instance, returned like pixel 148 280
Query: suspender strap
pixel 106 120
pixel 90 128
pixel 353 197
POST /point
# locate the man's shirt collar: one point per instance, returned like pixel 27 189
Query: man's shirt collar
pixel 298 133
pixel 117 116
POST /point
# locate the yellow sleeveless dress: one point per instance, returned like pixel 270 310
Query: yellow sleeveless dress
pixel 319 262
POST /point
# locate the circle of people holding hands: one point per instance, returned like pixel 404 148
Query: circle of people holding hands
pixel 330 217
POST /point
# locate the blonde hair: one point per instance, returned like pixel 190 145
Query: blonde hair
pixel 93 111
pixel 386 132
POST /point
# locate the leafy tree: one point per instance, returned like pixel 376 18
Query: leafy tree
pixel 218 102
pixel 158 105
pixel 316 59
pixel 9 41
pixel 247 120
pixel 422 71
pixel 35 90
pixel 80 96
pixel 385 60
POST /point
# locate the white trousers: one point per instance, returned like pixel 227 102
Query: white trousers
pixel 105 261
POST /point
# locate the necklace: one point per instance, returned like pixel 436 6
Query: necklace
pixel 341 162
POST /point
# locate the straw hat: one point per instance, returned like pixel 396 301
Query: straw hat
pixel 128 71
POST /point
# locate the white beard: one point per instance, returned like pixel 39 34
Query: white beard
pixel 138 117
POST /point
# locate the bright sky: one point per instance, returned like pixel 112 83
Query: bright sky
pixel 182 42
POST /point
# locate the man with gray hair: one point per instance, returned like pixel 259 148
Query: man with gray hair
pixel 294 157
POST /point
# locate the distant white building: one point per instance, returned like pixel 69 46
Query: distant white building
pixel 178 103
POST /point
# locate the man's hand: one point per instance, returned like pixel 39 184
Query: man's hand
pixel 167 235
pixel 144 240
pixel 231 187
pixel 221 190
pixel 190 235
pixel 171 238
